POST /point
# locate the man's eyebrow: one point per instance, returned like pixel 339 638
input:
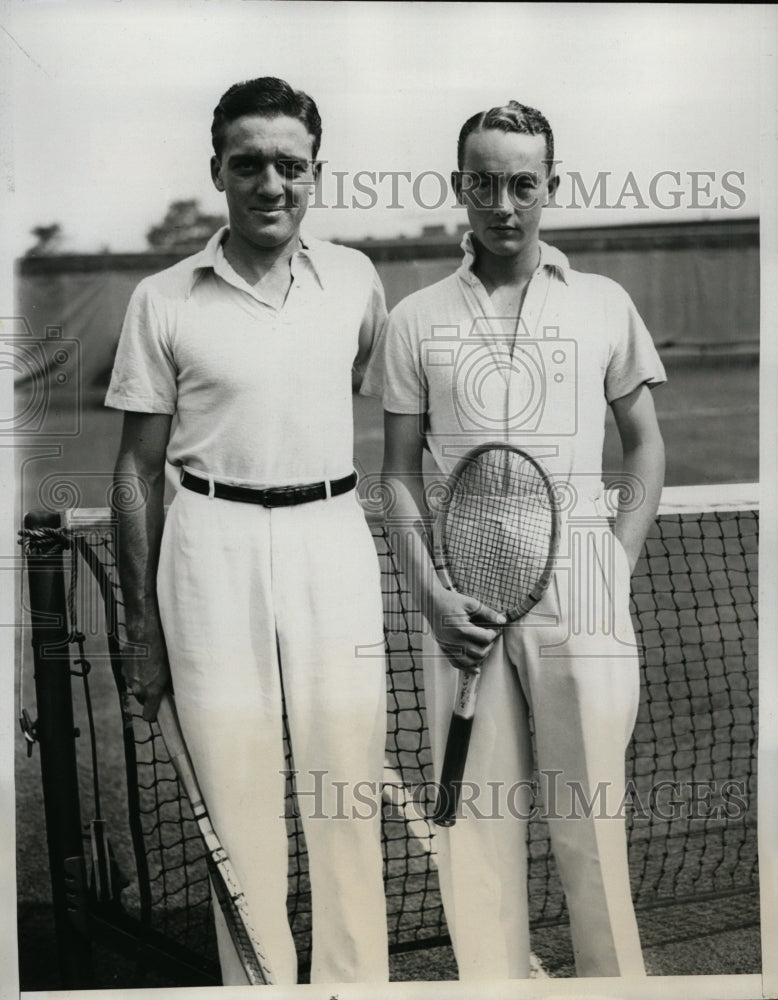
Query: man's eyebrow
pixel 500 173
pixel 263 158
pixel 245 157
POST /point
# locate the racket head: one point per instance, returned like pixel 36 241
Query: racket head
pixel 496 533
pixel 233 907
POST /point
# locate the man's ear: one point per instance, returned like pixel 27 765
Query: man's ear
pixel 216 177
pixel 316 170
pixel 553 184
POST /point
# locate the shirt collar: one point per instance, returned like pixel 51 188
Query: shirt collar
pixel 212 255
pixel 550 258
pixel 310 253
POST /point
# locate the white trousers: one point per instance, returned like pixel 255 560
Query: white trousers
pixel 265 607
pixel 572 664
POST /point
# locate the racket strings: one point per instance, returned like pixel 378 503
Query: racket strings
pixel 499 529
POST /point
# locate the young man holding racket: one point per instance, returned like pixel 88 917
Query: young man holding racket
pixel 516 347
pixel 235 366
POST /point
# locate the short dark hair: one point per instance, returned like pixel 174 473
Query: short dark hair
pixel 511 117
pixel 268 96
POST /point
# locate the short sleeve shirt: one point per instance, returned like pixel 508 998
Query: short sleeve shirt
pixel 543 385
pixel 260 396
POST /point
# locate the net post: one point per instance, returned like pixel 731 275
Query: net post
pixel 56 736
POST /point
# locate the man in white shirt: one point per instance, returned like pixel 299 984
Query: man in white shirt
pixel 516 346
pixel 260 591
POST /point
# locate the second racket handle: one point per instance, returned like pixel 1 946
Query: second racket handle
pixel 457 744
pixel 167 720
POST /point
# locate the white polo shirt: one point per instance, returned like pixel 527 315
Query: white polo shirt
pixel 260 396
pixel 543 385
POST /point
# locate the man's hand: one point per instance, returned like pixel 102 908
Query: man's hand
pixel 464 628
pixel 147 675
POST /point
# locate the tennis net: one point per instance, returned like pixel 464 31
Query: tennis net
pixel 691 765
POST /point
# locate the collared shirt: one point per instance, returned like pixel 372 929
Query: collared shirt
pixel 260 396
pixel 542 384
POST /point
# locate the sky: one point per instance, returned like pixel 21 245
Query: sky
pixel 108 106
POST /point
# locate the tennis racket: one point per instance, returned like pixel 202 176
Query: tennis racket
pixel 495 538
pixel 223 879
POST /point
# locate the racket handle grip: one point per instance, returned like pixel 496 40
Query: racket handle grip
pixel 455 758
pixel 450 787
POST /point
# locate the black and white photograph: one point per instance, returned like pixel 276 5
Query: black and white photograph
pixel 389 405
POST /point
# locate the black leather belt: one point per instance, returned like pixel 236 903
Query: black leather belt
pixel 277 496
